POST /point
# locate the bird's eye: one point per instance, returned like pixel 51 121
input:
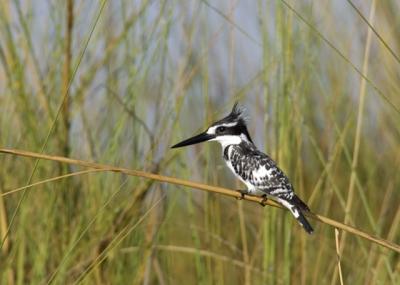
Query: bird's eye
pixel 221 129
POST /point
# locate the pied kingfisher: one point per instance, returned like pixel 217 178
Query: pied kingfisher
pixel 255 169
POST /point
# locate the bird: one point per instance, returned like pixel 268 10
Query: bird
pixel 255 169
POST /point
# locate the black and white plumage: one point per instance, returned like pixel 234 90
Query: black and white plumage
pixel 255 169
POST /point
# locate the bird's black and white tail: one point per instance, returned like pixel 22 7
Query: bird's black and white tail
pixel 296 207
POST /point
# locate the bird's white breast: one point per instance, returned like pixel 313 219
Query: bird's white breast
pixel 250 187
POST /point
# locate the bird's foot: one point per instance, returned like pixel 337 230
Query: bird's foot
pixel 263 202
pixel 242 194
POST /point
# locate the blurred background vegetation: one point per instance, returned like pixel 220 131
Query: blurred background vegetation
pixel 121 81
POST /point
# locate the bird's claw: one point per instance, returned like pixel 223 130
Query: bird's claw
pixel 242 194
pixel 263 202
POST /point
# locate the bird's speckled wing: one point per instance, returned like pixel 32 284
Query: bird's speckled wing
pixel 259 170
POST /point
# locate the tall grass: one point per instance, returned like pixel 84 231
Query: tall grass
pixel 155 72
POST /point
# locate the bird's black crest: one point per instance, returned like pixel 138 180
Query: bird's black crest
pixel 236 110
pixel 236 115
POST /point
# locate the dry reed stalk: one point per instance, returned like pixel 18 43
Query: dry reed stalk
pixel 200 186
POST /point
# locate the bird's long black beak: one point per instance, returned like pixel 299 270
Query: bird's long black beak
pixel 196 139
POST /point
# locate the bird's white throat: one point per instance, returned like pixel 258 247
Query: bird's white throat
pixel 229 139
